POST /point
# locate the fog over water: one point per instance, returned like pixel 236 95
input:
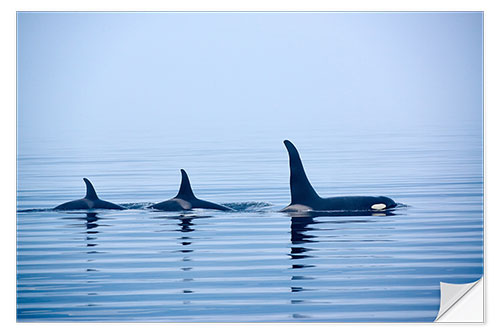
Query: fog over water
pixel 116 75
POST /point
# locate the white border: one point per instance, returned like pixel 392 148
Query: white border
pixel 8 132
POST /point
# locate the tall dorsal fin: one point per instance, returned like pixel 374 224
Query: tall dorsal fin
pixel 91 194
pixel 301 189
pixel 185 191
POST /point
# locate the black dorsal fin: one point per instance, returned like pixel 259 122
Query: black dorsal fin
pixel 185 191
pixel 91 194
pixel 301 189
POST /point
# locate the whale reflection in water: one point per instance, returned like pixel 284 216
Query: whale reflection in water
pixel 306 234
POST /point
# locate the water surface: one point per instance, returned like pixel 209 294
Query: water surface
pixel 254 264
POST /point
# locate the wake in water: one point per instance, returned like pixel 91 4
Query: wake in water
pixel 249 206
pixel 35 210
pixel 137 205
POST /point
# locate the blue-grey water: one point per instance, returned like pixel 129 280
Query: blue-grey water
pixel 254 264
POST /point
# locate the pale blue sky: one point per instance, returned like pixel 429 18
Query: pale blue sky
pixel 208 73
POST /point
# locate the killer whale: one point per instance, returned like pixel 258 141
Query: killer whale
pixel 305 198
pixel 186 200
pixel 90 201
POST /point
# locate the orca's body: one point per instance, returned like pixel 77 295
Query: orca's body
pixel 90 201
pixel 305 198
pixel 186 200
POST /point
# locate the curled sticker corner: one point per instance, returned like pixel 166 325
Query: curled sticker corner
pixel 454 294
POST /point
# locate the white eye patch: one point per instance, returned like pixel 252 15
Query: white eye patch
pixel 378 206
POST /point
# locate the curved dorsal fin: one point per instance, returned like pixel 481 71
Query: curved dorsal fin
pixel 91 194
pixel 185 191
pixel 301 189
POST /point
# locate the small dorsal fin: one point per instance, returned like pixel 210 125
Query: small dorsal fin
pixel 301 189
pixel 91 194
pixel 185 191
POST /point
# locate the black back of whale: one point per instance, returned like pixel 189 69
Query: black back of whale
pixel 90 201
pixel 186 200
pixel 303 194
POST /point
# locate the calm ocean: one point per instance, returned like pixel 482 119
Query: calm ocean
pixel 255 264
